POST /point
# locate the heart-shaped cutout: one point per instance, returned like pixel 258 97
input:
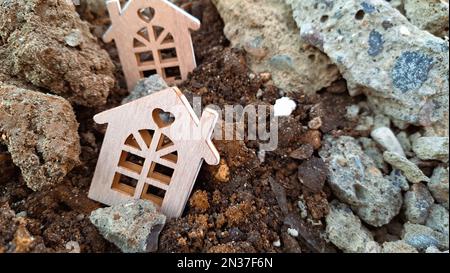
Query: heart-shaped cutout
pixel 146 14
pixel 162 118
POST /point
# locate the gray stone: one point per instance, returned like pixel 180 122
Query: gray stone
pixel 371 149
pixel 438 186
pixel 431 148
pixel 417 203
pixel 74 38
pixel 409 169
pixel 344 229
pixel 133 227
pixel 430 15
pixel 355 180
pixel 399 180
pixel 398 247
pixel 434 250
pixel 270 37
pixel 381 120
pixel 352 112
pixel 403 138
pixel 421 237
pixel 145 87
pixel 386 138
pixel 401 69
pixel 438 219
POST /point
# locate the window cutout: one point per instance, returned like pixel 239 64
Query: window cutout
pixel 157 30
pixel 145 57
pixel 164 142
pixel 161 173
pixel 144 34
pixel 162 119
pixel 148 73
pixel 167 54
pixel 173 157
pixel 137 43
pixel 131 141
pixel 131 162
pixel 154 194
pixel 168 39
pixel 146 14
pixel 147 136
pixel 172 73
pixel 124 184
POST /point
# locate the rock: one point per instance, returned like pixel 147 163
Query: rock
pixel 381 120
pixel 430 15
pixel 431 148
pixel 345 230
pixel 355 180
pixel 371 149
pixel 438 186
pixel 292 232
pixel 398 247
pixel 284 107
pixel 417 203
pixel 7 168
pixel 409 169
pixel 45 43
pixel 304 152
pixel 403 138
pixel 270 37
pixel 399 180
pixel 132 227
pixel 145 87
pixel 313 174
pixel 421 237
pixel 438 219
pixel 401 69
pixel 386 138
pixel 315 123
pixel 433 249
pixel 41 133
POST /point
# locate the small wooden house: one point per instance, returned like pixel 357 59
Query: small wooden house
pixel 153 149
pixel 152 37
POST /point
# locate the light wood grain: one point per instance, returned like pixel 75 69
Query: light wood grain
pixel 190 139
pixel 136 37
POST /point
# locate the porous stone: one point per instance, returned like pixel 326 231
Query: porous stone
pixel 438 219
pixel 403 139
pixel 386 138
pixel 41 133
pixel 430 15
pixel 355 180
pixel 344 229
pixel 46 44
pixel 417 203
pixel 421 237
pixel 399 180
pixel 438 186
pixel 371 149
pixel 145 87
pixel 398 247
pixel 270 37
pixel 133 227
pixel 409 169
pixel 402 69
pixel 431 148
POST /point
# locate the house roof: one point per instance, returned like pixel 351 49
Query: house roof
pixel 192 22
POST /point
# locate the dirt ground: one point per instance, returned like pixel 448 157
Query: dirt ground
pixel 243 205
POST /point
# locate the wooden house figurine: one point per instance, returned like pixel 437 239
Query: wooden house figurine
pixel 153 149
pixel 152 37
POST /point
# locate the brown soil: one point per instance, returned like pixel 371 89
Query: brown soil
pixel 242 205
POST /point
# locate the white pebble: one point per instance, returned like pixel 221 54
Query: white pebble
pixel 293 232
pixel 386 138
pixel 284 107
pixel 73 247
pixel 277 243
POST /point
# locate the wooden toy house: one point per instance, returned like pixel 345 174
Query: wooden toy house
pixel 150 154
pixel 152 37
